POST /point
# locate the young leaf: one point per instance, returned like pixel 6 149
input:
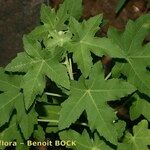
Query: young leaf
pixel 139 140
pixel 84 42
pixel 83 141
pixel 57 39
pixel 92 95
pixel 137 54
pixel 140 107
pixel 38 63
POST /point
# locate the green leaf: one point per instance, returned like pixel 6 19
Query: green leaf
pixel 7 105
pixel 92 95
pixel 57 39
pixel 39 33
pixel 29 120
pixel 139 107
pixel 10 133
pixel 83 141
pixel 21 143
pixel 137 54
pixel 38 63
pixel 39 134
pixel 21 63
pixel 12 99
pixel 84 42
pixel 120 127
pixel 10 85
pixel 9 82
pixel 48 16
pixel 139 140
pixel 120 5
pixel 55 20
pixel 75 10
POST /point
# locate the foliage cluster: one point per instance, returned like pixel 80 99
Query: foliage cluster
pixel 57 80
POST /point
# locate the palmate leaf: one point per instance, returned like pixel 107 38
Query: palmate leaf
pixel 12 99
pixel 10 85
pixel 84 42
pixel 139 140
pixel 83 141
pixel 37 63
pixel 139 107
pixel 137 54
pixel 92 95
pixel 54 20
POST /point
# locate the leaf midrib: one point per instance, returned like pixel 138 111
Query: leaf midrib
pixel 9 84
pixel 136 73
pixel 2 107
pixel 107 128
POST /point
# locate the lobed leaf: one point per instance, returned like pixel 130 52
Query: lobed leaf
pixel 139 107
pixel 139 140
pixel 84 42
pixel 38 63
pixel 137 54
pixel 92 95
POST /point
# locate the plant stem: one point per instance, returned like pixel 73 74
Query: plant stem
pixel 68 64
pixel 107 77
pixel 56 121
pixel 46 120
pixel 71 71
pixel 53 94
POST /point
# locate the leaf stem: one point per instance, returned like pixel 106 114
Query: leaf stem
pixel 107 77
pixel 53 94
pixel 56 121
pixel 46 120
pixel 68 64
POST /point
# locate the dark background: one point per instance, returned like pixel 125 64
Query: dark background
pixel 18 17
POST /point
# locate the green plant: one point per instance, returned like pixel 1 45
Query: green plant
pixel 43 84
pixel 120 4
